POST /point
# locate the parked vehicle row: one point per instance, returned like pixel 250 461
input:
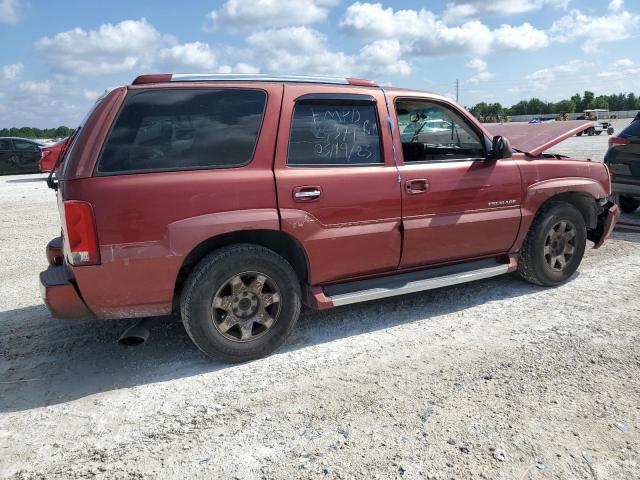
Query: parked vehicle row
pixel 22 155
pixel 235 199
pixel 623 160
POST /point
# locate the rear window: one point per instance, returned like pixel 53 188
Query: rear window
pixel 184 129
pixel 632 130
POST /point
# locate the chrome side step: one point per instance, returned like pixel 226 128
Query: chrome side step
pixel 364 290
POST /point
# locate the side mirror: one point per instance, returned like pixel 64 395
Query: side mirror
pixel 500 148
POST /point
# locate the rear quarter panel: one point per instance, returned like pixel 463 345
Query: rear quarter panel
pixel 148 222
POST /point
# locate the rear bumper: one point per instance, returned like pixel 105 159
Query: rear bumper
pixel 606 223
pixel 60 295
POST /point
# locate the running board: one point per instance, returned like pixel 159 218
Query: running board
pixel 390 286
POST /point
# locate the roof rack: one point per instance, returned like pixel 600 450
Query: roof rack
pixel 248 77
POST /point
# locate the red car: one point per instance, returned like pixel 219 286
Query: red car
pixel 50 155
pixel 235 199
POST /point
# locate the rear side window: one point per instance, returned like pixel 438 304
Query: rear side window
pixel 632 130
pixel 21 146
pixel 5 144
pixel 183 129
pixel 334 135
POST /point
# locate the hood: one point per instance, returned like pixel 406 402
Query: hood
pixel 535 138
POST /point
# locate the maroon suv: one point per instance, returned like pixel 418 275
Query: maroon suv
pixel 235 199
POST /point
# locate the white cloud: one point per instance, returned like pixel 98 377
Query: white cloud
pixel 124 47
pixel 621 69
pixel 252 15
pixel 616 5
pixel 546 76
pixel 461 10
pixel 10 11
pixel 479 66
pixel 13 71
pixel 238 68
pixel 595 30
pixel 424 34
pixel 196 55
pixel 303 49
pixel 36 88
pixel 90 95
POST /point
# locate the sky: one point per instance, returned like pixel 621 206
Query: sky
pixel 58 56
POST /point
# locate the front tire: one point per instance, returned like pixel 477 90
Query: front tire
pixel 240 303
pixel 628 204
pixel 554 246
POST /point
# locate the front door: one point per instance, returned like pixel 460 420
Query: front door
pixel 456 204
pixel 27 154
pixel 338 191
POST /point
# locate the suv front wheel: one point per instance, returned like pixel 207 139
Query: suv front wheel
pixel 240 303
pixel 554 246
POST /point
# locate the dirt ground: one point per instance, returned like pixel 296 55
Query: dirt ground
pixel 497 379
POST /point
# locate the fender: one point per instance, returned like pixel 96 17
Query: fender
pixel 540 192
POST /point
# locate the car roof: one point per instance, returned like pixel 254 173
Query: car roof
pixel 30 140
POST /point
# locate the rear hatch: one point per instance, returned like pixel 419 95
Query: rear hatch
pixel 535 138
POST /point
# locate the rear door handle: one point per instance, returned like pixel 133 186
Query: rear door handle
pixel 306 193
pixel 416 186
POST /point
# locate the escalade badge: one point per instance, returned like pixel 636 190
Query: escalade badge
pixel 502 203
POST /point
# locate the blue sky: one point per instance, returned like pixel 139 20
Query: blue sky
pixel 57 57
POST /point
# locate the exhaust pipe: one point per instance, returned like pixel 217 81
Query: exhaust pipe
pixel 136 334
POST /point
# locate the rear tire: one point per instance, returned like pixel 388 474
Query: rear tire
pixel 554 246
pixel 579 134
pixel 240 303
pixel 628 204
pixel 591 131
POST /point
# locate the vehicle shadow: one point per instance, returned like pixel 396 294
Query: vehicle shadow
pixel 27 180
pixel 47 361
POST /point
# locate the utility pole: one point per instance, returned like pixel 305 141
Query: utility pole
pixel 457 89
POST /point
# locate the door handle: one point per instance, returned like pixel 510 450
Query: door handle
pixel 306 193
pixel 416 186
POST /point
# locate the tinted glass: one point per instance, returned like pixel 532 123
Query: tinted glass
pixel 5 144
pixel 430 131
pixel 22 146
pixel 324 135
pixel 632 130
pixel 184 129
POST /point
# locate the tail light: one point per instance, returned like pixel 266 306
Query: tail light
pixel 81 233
pixel 618 141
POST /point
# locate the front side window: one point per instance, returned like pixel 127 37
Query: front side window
pixel 430 131
pixel 334 135
pixel 184 129
pixel 21 146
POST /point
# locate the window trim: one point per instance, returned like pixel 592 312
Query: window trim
pixel 333 100
pixel 97 173
pixel 449 106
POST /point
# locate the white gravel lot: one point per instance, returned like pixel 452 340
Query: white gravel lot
pixel 496 379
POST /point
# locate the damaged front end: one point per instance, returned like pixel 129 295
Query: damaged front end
pixel 607 215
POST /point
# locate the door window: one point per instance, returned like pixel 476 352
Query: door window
pixel 25 147
pixel 5 145
pixel 184 129
pixel 334 135
pixel 430 131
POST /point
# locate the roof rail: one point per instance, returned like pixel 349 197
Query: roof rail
pixel 248 77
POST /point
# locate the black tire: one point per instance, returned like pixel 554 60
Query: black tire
pixel 541 247
pixel 579 134
pixel 591 131
pixel 599 132
pixel 217 271
pixel 628 204
pixel 610 130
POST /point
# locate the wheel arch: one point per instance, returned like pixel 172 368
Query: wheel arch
pixel 280 242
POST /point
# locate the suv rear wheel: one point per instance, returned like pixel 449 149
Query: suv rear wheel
pixel 554 246
pixel 240 303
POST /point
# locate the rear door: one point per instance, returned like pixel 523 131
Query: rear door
pixel 338 192
pixel 28 154
pixel 456 204
pixel 7 160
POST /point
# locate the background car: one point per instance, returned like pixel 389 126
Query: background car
pixel 623 160
pixel 50 154
pixel 19 155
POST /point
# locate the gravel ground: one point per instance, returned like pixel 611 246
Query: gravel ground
pixel 496 379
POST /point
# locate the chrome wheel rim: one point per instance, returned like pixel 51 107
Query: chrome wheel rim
pixel 246 306
pixel 560 245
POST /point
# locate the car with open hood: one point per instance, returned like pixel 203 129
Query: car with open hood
pixel 232 200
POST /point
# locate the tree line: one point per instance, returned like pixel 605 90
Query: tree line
pixel 577 103
pixel 30 132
